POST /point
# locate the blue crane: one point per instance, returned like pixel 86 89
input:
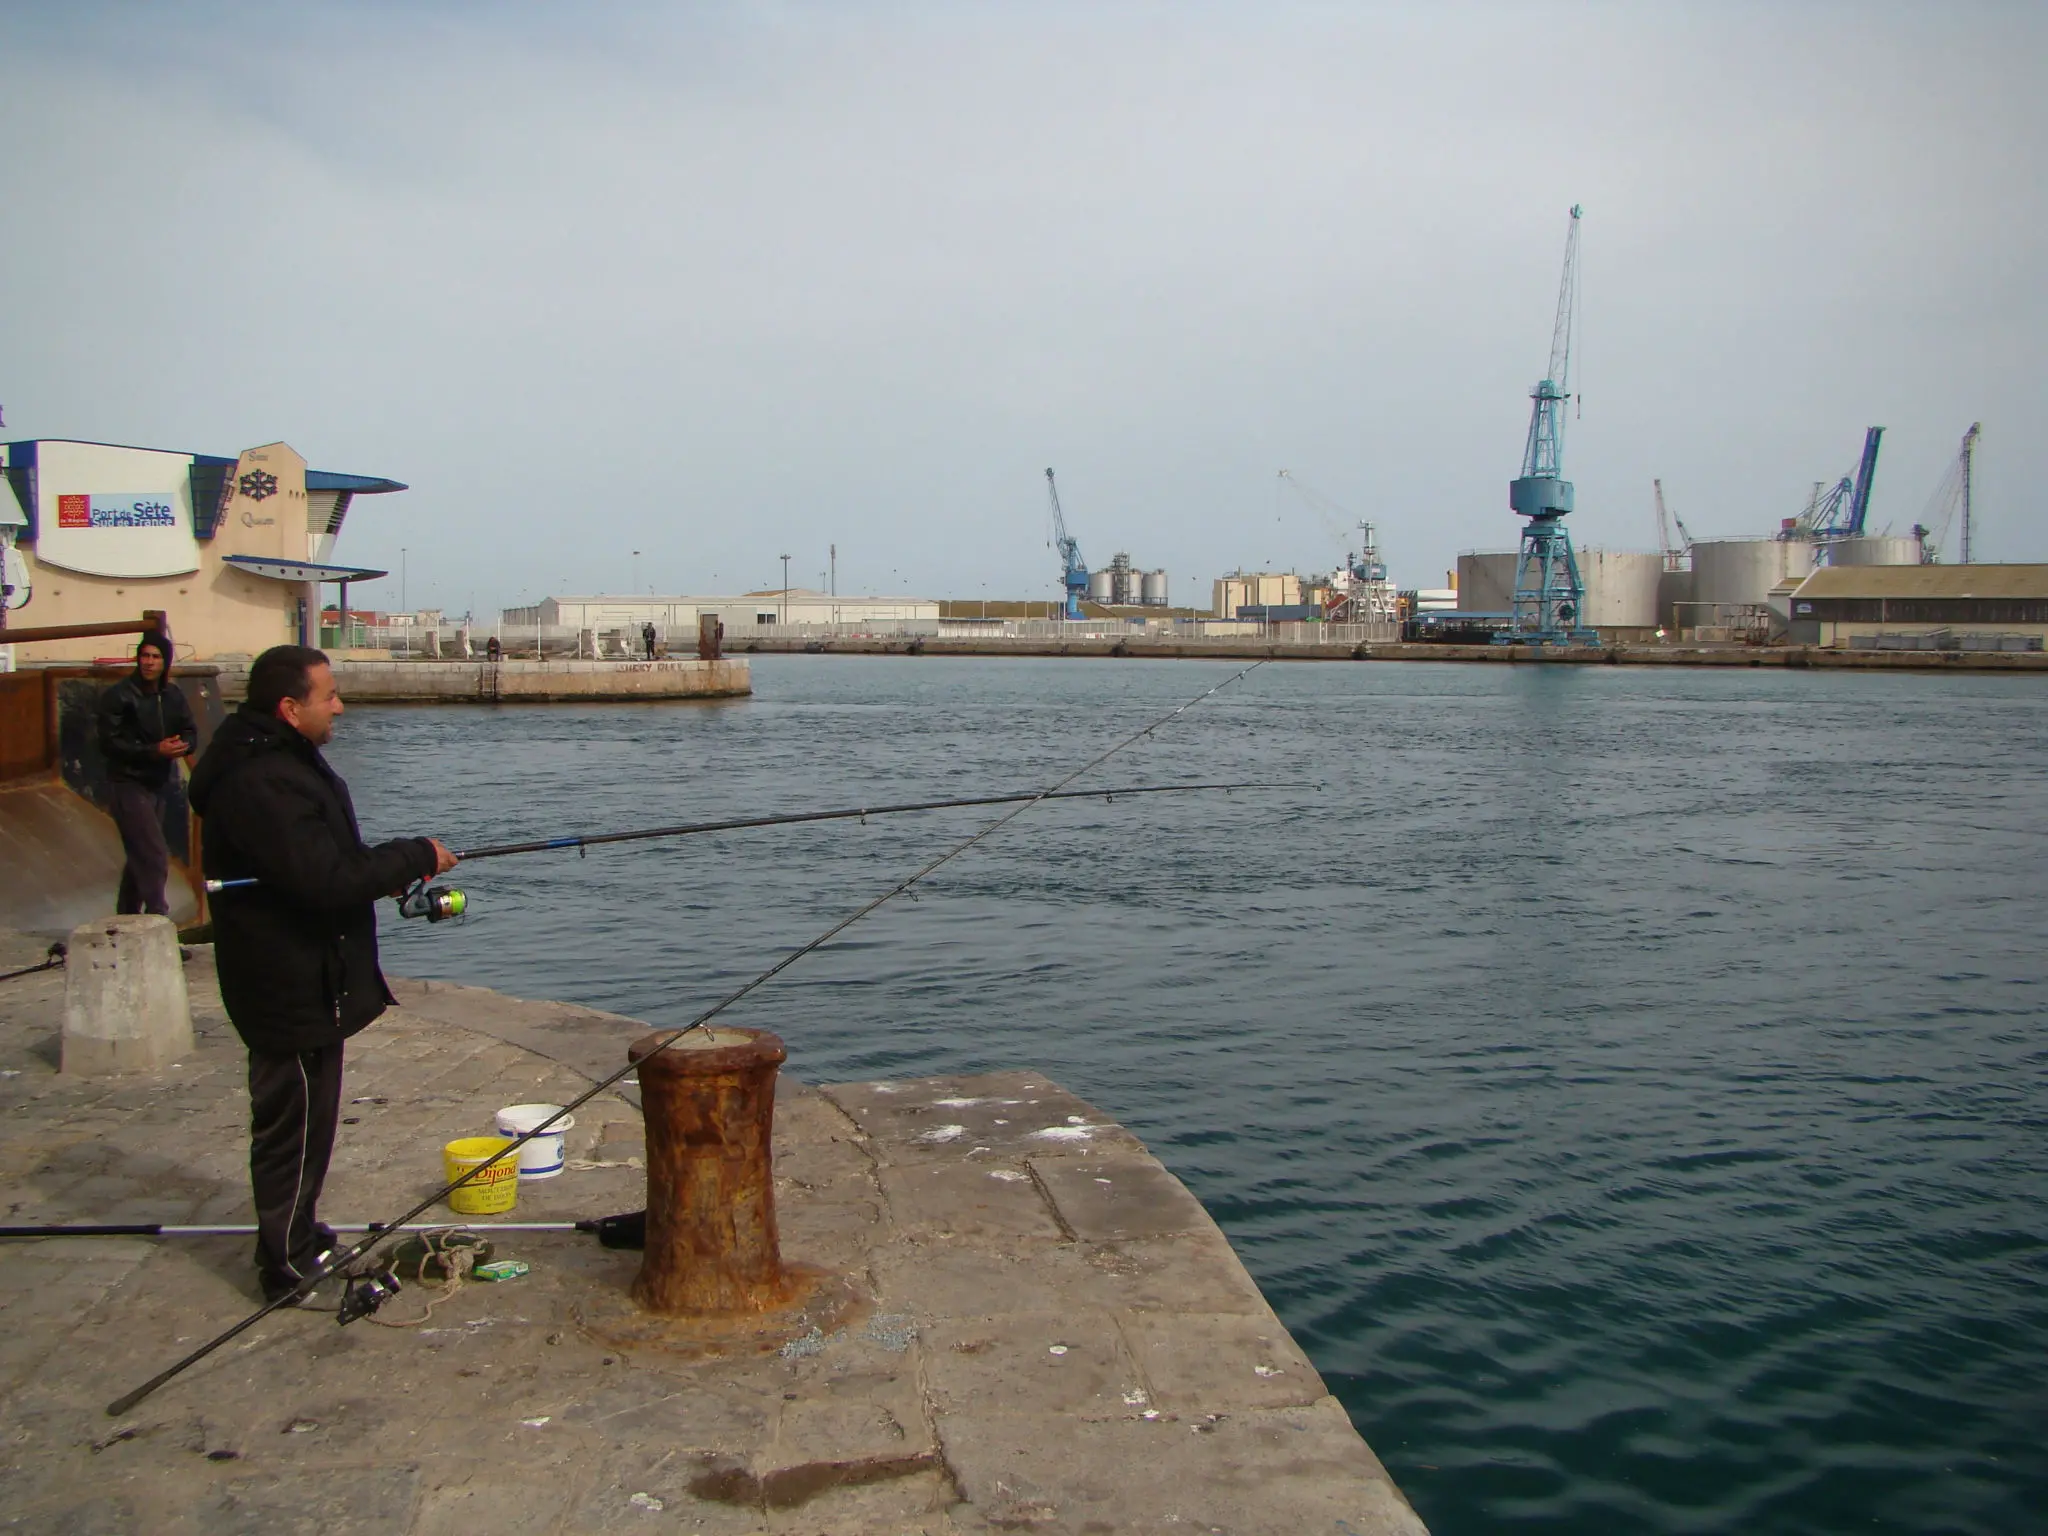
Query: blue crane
pixel 1549 596
pixel 1840 513
pixel 1073 569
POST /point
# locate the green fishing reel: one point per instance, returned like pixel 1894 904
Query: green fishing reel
pixel 436 903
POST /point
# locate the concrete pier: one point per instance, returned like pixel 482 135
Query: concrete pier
pixel 523 681
pixel 1046 1332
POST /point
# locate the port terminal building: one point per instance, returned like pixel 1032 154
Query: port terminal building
pixel 234 550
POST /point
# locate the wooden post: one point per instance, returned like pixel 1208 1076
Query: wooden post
pixel 709 1104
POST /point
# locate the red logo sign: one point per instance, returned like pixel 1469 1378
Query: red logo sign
pixel 74 511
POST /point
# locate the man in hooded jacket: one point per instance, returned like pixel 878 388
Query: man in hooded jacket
pixel 145 726
pixel 297 951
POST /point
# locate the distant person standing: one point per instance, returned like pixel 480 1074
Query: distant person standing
pixel 647 634
pixel 145 726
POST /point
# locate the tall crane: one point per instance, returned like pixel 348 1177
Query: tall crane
pixel 1675 550
pixel 1073 569
pixel 1954 496
pixel 1549 596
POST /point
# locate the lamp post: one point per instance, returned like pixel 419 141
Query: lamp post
pixel 635 588
pixel 785 589
pixel 405 639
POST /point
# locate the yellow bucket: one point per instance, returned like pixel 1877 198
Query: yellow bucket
pixel 494 1190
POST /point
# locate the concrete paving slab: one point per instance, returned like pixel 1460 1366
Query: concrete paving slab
pixel 1277 1473
pixel 1053 1363
pixel 1201 1363
pixel 965 1198
pixel 1032 1347
pixel 1108 1199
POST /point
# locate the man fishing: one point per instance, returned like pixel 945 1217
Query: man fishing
pixel 145 726
pixel 296 951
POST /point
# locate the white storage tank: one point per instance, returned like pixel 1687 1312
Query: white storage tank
pixel 1739 573
pixel 1621 588
pixel 1101 584
pixel 1874 549
pixel 1486 581
pixel 1153 589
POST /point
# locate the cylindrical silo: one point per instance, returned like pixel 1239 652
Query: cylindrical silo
pixel 1621 588
pixel 1154 589
pixel 1486 581
pixel 1738 573
pixel 1100 585
pixel 1874 549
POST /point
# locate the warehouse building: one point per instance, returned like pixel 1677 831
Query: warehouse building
pixel 1928 607
pixel 233 550
pixel 748 610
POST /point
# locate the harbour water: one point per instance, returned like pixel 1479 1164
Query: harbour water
pixel 1629 1085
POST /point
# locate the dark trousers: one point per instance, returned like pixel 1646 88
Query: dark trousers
pixel 294 1104
pixel 138 812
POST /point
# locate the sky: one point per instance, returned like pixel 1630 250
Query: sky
pixel 722 282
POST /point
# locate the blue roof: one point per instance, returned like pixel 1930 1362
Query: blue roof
pixel 361 485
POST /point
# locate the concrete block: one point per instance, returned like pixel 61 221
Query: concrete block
pixel 125 1005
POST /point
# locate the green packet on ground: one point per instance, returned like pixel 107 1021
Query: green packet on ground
pixel 499 1269
pixel 415 1257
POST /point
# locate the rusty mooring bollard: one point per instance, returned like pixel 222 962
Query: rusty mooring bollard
pixel 709 1104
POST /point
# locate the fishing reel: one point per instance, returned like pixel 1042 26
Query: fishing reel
pixel 363 1294
pixel 436 903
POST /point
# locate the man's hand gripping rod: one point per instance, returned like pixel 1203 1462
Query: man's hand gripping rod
pixel 342 1260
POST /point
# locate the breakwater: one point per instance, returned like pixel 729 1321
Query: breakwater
pixel 525 681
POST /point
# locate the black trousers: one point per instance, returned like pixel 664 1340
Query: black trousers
pixel 294 1104
pixel 138 813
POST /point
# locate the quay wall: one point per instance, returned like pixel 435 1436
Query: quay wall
pixel 1250 648
pixel 525 681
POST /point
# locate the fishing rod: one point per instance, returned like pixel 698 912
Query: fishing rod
pixel 378 1286
pixel 54 959
pixel 606 1228
pixel 439 903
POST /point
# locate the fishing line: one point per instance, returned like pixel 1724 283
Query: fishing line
pixel 338 1262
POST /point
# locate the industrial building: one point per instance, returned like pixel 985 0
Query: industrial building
pixel 1935 607
pixel 749 610
pixel 1255 589
pixel 1733 588
pixel 1120 584
pixel 233 550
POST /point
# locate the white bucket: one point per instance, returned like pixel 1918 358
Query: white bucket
pixel 540 1157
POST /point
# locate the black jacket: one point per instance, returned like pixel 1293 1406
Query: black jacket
pixel 297 952
pixel 133 719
